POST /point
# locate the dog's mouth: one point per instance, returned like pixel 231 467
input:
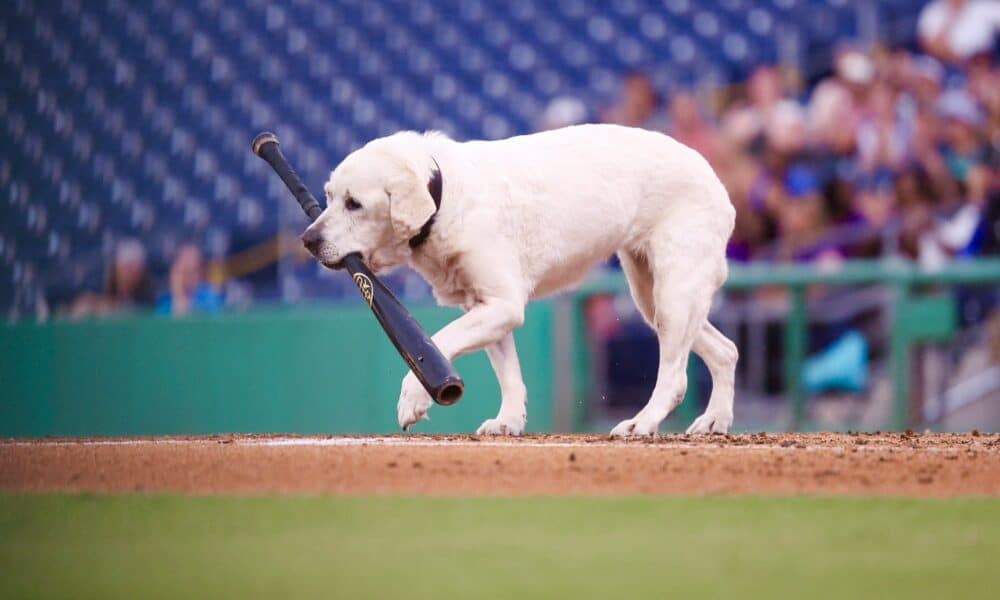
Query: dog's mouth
pixel 336 266
pixel 339 264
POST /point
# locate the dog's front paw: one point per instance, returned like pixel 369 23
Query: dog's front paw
pixel 502 426
pixel 711 422
pixel 414 401
pixel 637 427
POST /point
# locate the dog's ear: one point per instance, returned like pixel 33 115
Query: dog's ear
pixel 410 203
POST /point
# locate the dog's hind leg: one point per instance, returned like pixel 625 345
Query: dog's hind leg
pixel 720 356
pixel 640 282
pixel 513 394
pixel 687 269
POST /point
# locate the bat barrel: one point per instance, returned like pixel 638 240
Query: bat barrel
pixel 450 393
pixel 432 369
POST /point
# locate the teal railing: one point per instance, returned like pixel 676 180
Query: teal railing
pixel 920 314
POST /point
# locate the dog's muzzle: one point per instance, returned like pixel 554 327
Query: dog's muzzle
pixel 312 240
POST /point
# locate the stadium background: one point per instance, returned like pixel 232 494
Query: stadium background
pixel 151 279
pixel 151 283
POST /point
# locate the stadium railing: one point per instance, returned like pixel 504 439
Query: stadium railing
pixel 919 314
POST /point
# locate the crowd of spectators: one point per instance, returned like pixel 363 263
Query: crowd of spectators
pixel 130 286
pixel 895 153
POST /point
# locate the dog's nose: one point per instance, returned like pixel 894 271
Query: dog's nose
pixel 311 240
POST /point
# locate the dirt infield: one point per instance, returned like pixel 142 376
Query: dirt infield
pixel 928 465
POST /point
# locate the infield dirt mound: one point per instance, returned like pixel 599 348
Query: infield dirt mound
pixel 929 465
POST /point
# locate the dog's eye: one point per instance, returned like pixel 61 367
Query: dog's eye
pixel 351 204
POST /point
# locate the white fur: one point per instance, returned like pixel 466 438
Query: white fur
pixel 524 217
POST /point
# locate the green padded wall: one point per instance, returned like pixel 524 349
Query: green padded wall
pixel 310 371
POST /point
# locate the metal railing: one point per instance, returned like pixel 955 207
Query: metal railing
pixel 919 314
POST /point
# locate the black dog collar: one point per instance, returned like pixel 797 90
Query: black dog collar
pixel 435 187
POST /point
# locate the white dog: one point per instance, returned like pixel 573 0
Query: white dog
pixel 521 218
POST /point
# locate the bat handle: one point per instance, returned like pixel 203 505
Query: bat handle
pixel 266 146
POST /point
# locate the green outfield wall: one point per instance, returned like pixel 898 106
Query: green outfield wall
pixel 309 371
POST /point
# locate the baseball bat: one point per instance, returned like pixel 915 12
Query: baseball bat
pixel 435 372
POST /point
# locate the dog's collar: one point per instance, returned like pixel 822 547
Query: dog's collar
pixel 435 187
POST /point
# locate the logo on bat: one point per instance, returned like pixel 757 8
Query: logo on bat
pixel 365 285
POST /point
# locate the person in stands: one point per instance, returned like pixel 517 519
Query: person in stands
pixel 190 292
pixel 128 286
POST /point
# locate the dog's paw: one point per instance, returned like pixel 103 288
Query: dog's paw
pixel 711 423
pixel 501 426
pixel 414 402
pixel 637 427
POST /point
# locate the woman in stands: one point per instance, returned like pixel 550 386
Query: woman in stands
pixel 128 286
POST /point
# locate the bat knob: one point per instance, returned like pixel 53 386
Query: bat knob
pixel 261 139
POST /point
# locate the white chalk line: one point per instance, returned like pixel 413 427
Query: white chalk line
pixel 386 441
pixel 339 441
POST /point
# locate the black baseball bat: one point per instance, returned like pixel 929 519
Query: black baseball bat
pixel 435 372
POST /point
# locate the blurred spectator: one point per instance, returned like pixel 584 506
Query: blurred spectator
pixel 956 30
pixel 926 77
pixel 749 117
pixel 783 142
pixel 913 197
pixel 189 292
pixel 875 198
pixel 873 210
pixel 128 285
pixel 765 90
pixel 964 148
pixel 563 111
pixel 801 218
pixel 880 138
pixel 637 106
pixel 785 130
pixel 834 149
pixel 855 71
pixel 689 126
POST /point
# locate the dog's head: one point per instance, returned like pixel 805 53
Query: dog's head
pixel 377 200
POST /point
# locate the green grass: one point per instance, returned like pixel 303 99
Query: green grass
pixel 165 546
